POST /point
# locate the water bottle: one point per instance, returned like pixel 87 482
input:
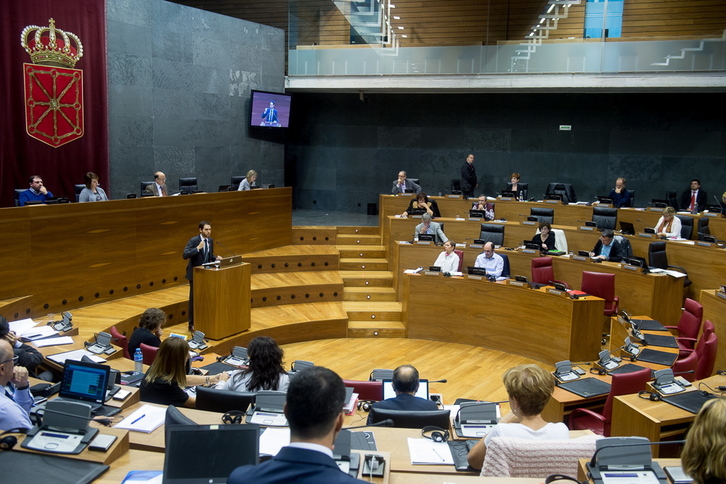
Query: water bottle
pixel 138 361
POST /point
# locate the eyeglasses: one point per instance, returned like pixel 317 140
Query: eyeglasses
pixel 14 359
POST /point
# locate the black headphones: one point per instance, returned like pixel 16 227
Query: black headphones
pixel 652 396
pixel 233 417
pixel 365 405
pixel 561 477
pixel 437 433
pixel 598 371
pixel 8 442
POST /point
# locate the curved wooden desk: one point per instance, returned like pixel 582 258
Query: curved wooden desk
pixel 517 320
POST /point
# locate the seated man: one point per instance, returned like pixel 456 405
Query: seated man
pixel 694 200
pixel 28 356
pixel 482 204
pixel 490 261
pixel 607 248
pixel 405 384
pixel 158 188
pixel 15 397
pixel 402 185
pixel 620 195
pixel 36 193
pixel 314 409
pixel 428 227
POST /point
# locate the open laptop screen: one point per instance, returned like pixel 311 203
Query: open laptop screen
pixel 423 389
pixel 207 454
pixel 84 381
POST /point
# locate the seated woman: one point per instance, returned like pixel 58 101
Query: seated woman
pixel 668 224
pixel 704 454
pixel 422 205
pixel 149 331
pixel 448 260
pixel 529 388
pixel 248 182
pixel 92 192
pixel 545 238
pixel 482 204
pixel 167 377
pixel 514 186
pixel 265 371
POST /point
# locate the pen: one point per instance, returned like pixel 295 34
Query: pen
pixel 144 415
pixel 440 456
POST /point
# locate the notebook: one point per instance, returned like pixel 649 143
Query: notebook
pixel 648 324
pixel 85 382
pixel 661 340
pixel 206 454
pixel 586 387
pixel 689 401
pixel 657 357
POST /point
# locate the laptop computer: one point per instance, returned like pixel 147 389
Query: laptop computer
pixel 207 454
pixel 85 382
pixel 423 389
pixel 627 228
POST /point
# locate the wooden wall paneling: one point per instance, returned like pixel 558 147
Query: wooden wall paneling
pixel 714 310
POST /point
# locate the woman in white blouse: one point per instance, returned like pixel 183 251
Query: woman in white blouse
pixel 448 260
pixel 668 225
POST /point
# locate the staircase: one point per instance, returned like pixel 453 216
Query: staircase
pixel 368 294
pixel 686 50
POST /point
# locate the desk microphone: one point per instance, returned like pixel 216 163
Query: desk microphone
pixel 593 461
pixel 439 381
pixel 383 423
pixel 720 204
pixel 225 248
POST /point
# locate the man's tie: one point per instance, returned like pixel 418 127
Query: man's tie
pixel 163 190
pixel 693 201
pixel 206 250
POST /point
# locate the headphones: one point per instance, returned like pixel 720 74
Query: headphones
pixel 365 405
pixel 560 477
pixel 652 396
pixel 233 417
pixel 598 371
pixel 7 443
pixel 437 433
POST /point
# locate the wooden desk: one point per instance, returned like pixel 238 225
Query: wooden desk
pixel 517 320
pixel 656 421
pixel 714 310
pixel 618 333
pixel 118 448
pixel 562 403
pixel 706 266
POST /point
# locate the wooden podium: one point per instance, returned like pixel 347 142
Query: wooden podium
pixel 222 300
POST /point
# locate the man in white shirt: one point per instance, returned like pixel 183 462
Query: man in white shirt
pixel 490 261
pixel 15 397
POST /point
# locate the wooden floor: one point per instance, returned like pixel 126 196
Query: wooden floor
pixel 471 371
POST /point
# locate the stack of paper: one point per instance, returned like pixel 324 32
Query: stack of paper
pixel 146 419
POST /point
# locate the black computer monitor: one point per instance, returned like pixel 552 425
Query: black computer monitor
pixel 408 419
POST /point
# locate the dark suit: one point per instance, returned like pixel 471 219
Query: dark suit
pixel 405 401
pixel 291 464
pixel 468 179
pixel 196 258
pixel 409 186
pixel 701 197
pixel 617 252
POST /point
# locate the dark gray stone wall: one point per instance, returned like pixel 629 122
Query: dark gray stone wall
pixel 343 152
pixel 179 83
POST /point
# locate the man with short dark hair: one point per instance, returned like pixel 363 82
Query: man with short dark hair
pixel 405 384
pixel 607 248
pixel 694 200
pixel 199 250
pixel 314 410
pixel 15 397
pixel 28 356
pixel 36 193
pixel 469 180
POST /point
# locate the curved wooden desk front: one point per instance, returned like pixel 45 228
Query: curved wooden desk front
pixel 517 320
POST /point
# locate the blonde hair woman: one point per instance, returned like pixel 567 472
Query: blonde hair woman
pixel 704 455
pixel 668 224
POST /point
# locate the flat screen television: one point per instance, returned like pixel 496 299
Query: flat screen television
pixel 270 109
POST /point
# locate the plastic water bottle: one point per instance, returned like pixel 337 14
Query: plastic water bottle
pixel 138 361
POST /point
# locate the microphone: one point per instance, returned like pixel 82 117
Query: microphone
pixel 640 444
pixel 439 381
pixel 720 204
pixel 225 248
pixel 383 423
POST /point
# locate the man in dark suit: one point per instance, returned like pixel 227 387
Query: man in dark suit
pixel 199 250
pixel 694 200
pixel 468 177
pixel 607 248
pixel 403 185
pixel 158 188
pixel 314 409
pixel 405 384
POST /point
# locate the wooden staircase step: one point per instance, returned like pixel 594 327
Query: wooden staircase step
pixel 372 264
pixel 361 278
pixel 373 310
pixel 366 230
pixel 369 293
pixel 361 251
pixel 296 288
pixel 358 239
pixel 314 235
pixel 294 258
pixel 372 329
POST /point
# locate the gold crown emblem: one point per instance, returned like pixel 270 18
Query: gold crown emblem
pixel 50 46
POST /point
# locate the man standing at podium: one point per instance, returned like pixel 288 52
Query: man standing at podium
pixel 199 250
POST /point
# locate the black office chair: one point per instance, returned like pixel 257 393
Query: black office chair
pixel 188 184
pixel 625 244
pixel 235 182
pixel 506 272
pixel 492 233
pixel 672 199
pixel 657 258
pixel 456 186
pixel 686 226
pixel 605 217
pixel 415 180
pixel 145 184
pixel 412 419
pixel 299 365
pixel 78 188
pixel 18 191
pixel 630 203
pixel 175 417
pixel 543 214
pixel 381 374
pixel 223 401
pixel 703 226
